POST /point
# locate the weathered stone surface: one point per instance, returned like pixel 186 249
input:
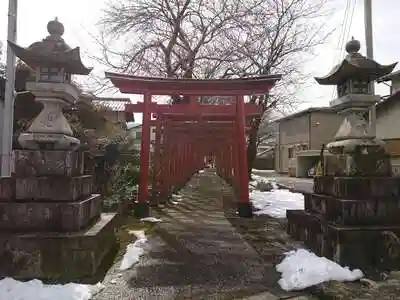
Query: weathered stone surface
pixel 67 256
pixel 357 187
pixel 52 188
pixel 364 247
pixel 48 163
pixel 7 188
pixel 49 216
pixel 384 211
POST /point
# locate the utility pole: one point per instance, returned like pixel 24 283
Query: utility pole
pixel 7 107
pixel 370 54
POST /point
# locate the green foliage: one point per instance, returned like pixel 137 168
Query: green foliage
pixel 124 180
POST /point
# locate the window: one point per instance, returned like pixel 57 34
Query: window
pixel 290 152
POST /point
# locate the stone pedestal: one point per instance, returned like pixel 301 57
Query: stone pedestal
pixel 51 225
pixel 354 221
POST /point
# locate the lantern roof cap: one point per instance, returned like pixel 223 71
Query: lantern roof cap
pixel 355 66
pixel 52 51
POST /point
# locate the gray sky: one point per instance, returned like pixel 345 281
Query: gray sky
pixel 79 17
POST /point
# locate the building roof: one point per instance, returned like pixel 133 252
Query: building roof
pixel 386 102
pixel 325 109
pixel 112 104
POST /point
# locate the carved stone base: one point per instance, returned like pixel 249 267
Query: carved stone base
pixel 375 211
pixel 57 256
pixel 49 216
pixel 48 163
pixel 48 141
pixel 364 247
pixel 53 188
pixel 357 187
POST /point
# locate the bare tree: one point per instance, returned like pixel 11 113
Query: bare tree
pixel 215 39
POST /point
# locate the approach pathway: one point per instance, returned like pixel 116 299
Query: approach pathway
pixel 195 253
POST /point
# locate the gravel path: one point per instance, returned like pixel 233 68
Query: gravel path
pixel 195 253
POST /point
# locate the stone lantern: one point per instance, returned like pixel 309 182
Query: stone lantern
pixel 353 78
pixel 54 63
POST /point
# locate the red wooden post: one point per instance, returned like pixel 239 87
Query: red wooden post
pixel 156 186
pixel 244 205
pixel 142 208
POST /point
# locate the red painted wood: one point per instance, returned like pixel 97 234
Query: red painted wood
pixel 145 151
pixel 205 110
pixel 170 86
pixel 242 152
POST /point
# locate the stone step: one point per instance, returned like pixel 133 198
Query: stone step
pixel 49 216
pixel 57 256
pixel 377 211
pixel 357 188
pixel 53 188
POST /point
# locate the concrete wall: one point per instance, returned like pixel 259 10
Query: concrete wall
pixel 388 121
pixel 324 126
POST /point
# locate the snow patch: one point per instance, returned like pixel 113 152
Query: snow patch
pixel 276 202
pixel 35 289
pixel 301 269
pixel 151 220
pixel 134 250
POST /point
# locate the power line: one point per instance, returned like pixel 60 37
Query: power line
pixel 344 33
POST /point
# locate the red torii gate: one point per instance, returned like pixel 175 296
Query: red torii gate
pixel 210 130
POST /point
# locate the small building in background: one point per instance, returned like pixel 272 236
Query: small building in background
pixel 300 137
pixel 135 132
pixel 388 119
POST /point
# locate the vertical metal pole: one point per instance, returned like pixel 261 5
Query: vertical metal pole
pixel 7 108
pixel 370 54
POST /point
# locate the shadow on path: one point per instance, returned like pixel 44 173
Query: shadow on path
pixel 195 253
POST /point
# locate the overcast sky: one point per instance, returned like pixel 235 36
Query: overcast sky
pixel 79 17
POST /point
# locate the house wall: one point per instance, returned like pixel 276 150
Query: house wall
pixel 395 85
pixel 291 132
pixel 311 129
pixel 388 121
pixel 324 126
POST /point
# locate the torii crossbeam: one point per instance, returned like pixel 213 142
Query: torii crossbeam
pixel 184 158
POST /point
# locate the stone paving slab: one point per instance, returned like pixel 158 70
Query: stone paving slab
pixel 195 253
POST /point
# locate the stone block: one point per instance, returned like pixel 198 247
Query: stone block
pixel 357 187
pixel 57 256
pixel 7 188
pixel 384 211
pixel 50 188
pixel 366 247
pixel 49 216
pixel 48 163
pixel 307 228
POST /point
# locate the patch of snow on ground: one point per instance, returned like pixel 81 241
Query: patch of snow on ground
pixel 257 179
pixel 133 250
pixel 276 202
pixel 201 171
pixel 11 289
pixel 301 269
pixel 151 220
